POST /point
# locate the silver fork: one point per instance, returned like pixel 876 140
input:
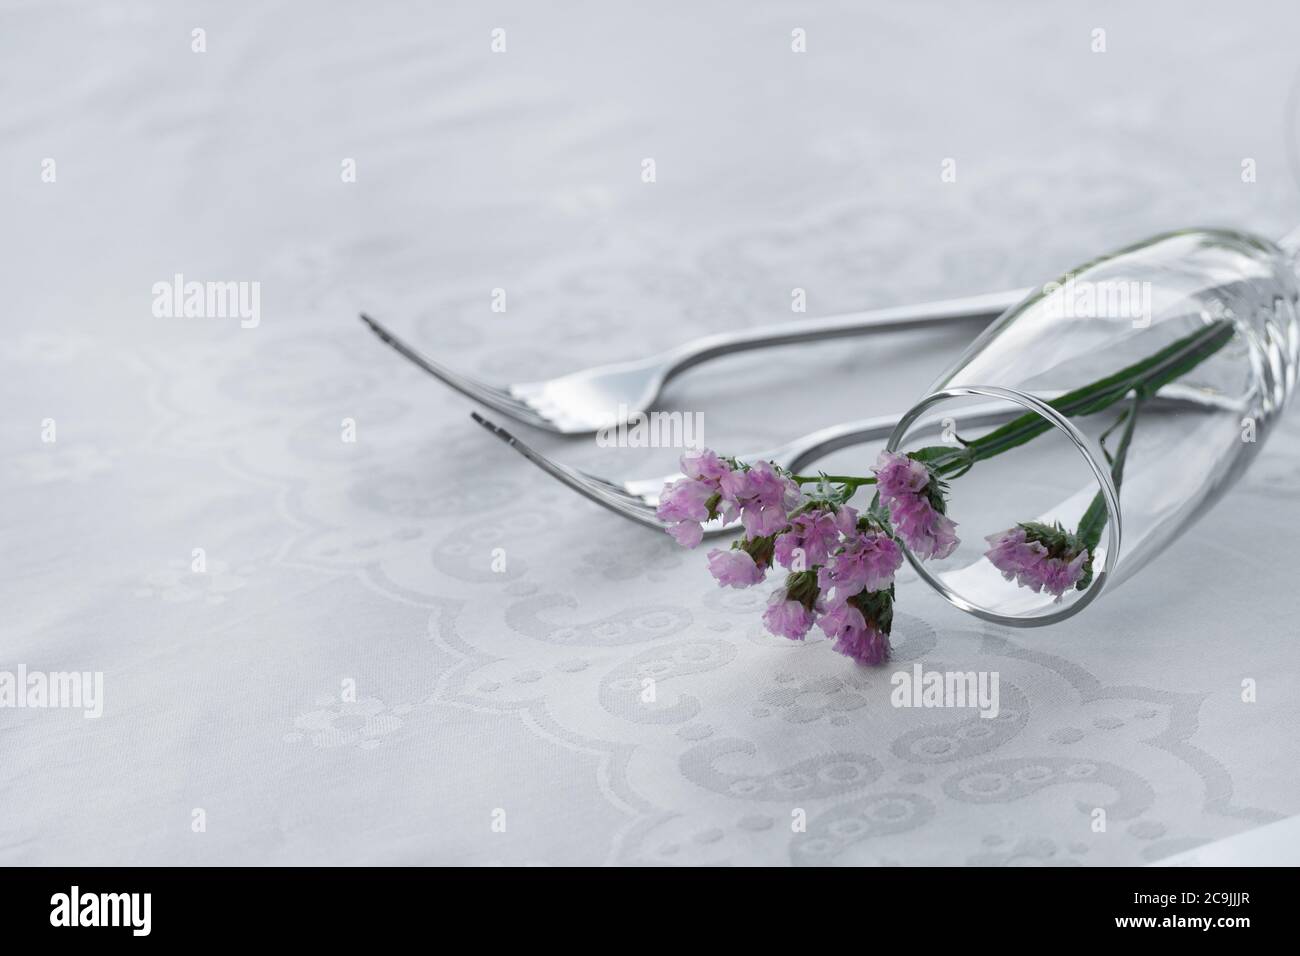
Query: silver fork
pixel 637 498
pixel 591 399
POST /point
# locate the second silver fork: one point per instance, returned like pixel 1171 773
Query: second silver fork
pixel 636 499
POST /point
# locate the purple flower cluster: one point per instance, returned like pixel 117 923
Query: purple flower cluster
pixel 855 635
pixel 715 487
pixel 1039 558
pixel 841 579
pixel 788 617
pixel 735 568
pixel 916 505
pixel 840 565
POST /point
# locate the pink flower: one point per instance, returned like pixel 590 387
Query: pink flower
pixel 687 533
pixel 704 465
pixel 787 618
pixel 927 532
pixel 1060 576
pixel 1025 559
pixel 1012 553
pixel 909 490
pixel 765 497
pixel 684 506
pixel 898 476
pixel 842 618
pixel 686 499
pixel 814 534
pixel 866 646
pixel 854 637
pixel 760 495
pixel 734 568
pixel 866 563
pixel 846 520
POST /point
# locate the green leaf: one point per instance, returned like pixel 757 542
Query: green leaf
pixel 1094 519
pixel 1144 377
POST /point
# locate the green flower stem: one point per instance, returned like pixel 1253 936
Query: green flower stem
pixel 1094 519
pixel 1143 378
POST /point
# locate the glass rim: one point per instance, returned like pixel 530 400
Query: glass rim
pixel 1090 454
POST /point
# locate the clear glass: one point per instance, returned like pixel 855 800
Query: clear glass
pixel 1203 321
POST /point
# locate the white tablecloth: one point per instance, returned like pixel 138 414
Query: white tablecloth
pixel 349 681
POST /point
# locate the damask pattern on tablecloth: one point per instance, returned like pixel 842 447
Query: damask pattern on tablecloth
pixel 400 640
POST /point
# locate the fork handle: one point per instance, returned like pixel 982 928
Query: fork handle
pixel 983 308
